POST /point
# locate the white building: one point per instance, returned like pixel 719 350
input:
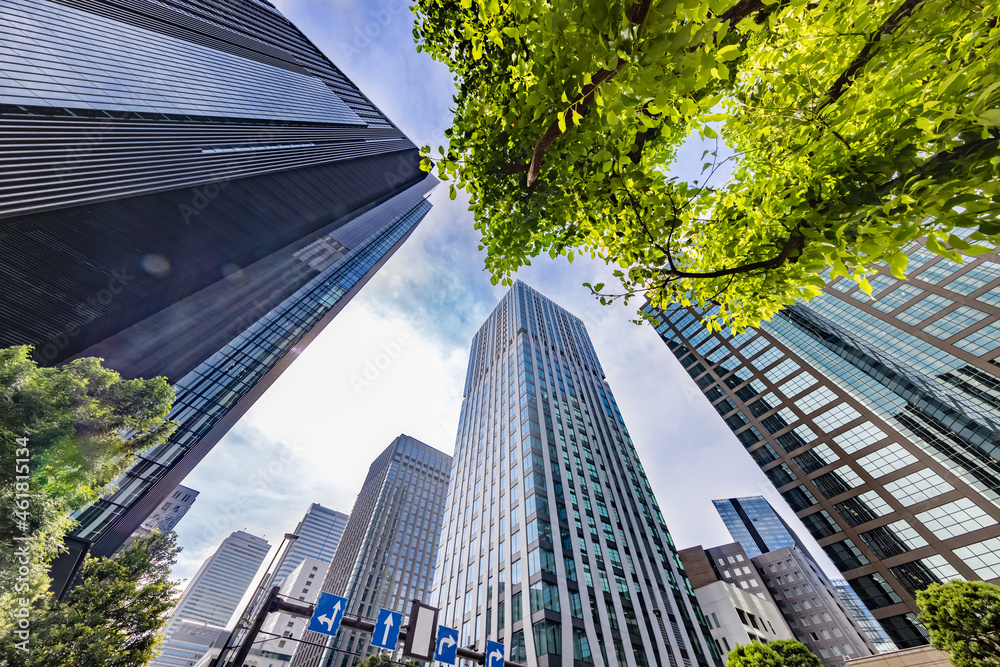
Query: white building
pixel 213 594
pixel 738 617
pixel 280 632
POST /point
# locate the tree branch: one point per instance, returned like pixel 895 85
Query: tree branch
pixel 794 244
pixel 867 52
pixel 741 10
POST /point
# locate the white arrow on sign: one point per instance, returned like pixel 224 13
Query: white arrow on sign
pixel 388 628
pixel 496 655
pixel 327 621
pixel 445 642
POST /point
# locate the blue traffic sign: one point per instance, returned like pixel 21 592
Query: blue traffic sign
pixel 387 626
pixel 494 654
pixel 329 612
pixel 447 645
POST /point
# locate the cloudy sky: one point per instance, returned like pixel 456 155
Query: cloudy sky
pixel 312 437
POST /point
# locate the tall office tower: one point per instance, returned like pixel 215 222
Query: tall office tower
pixel 166 517
pixel 212 595
pixel 319 534
pixel 554 543
pixel 198 192
pixel 387 555
pixel 871 628
pixel 877 419
pixel 302 584
pixel 757 527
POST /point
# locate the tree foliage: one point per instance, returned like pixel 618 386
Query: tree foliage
pixel 857 126
pixel 794 653
pixel 112 619
pixel 377 660
pixel 754 655
pixel 963 618
pixel 81 425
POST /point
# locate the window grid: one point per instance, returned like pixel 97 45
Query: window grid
pixel 886 460
pixel 918 486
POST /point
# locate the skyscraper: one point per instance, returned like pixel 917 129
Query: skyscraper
pixel 319 534
pixel 199 191
pixel 211 597
pixel 755 525
pixel 553 542
pixel 759 529
pixel 878 420
pixel 387 555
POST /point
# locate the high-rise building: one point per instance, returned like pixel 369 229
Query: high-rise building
pixel 759 529
pixel 319 534
pixel 211 597
pixel 553 542
pixel 387 555
pixel 878 420
pixel 165 517
pixel 756 526
pixel 199 191
pixel 281 632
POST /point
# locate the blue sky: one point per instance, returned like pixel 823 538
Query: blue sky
pixel 312 437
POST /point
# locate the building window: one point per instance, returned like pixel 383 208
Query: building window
pixel 918 486
pixel 548 638
pixel 875 591
pixel 982 341
pixel 859 437
pixel 924 308
pixel 955 518
pixel 886 460
pixel 957 320
pixel 836 417
pixel 983 557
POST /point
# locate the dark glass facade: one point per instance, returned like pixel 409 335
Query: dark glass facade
pixel 878 420
pixel 553 542
pixel 387 555
pixel 191 190
pixel 755 525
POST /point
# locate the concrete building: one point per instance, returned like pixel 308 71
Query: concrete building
pixel 387 554
pixel 211 598
pixel 199 192
pixel 734 614
pixel 878 420
pixel 759 529
pixel 553 541
pixel 319 531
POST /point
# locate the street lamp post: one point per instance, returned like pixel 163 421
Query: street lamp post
pixel 244 618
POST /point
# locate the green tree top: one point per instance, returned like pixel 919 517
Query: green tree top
pixel 78 426
pixel 754 655
pixel 112 619
pixel 963 618
pixel 794 653
pixel 857 125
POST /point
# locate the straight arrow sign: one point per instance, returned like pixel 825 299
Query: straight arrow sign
pixel 387 626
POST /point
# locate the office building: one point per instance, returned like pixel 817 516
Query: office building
pixel 279 634
pixel 734 614
pixel 878 420
pixel 211 598
pixel 863 618
pixel 319 534
pixel 756 526
pixel 387 555
pixel 165 517
pixel 199 191
pixel 759 529
pixel 553 541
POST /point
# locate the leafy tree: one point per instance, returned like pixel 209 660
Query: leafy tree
pixel 65 433
pixel 857 126
pixel 377 660
pixel 112 619
pixel 963 618
pixel 754 655
pixel 794 653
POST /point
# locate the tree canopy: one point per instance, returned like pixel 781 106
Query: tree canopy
pixel 963 618
pixel 112 619
pixel 794 653
pixel 65 433
pixel 754 655
pixel 856 126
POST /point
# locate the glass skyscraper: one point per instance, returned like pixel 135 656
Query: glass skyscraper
pixel 878 420
pixel 755 525
pixel 319 534
pixel 387 554
pixel 553 542
pixel 198 192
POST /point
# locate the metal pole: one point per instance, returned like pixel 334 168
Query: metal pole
pixel 265 609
